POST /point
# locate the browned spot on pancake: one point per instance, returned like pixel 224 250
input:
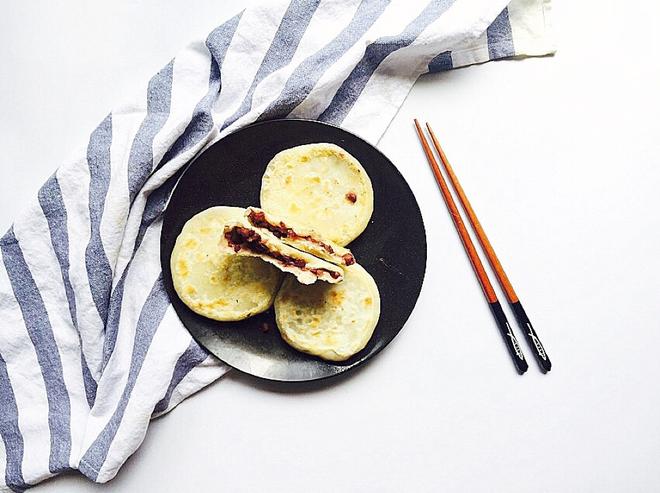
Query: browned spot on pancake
pixel 182 268
pixel 336 297
pixel 351 197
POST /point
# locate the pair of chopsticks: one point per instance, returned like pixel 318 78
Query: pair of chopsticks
pixel 503 324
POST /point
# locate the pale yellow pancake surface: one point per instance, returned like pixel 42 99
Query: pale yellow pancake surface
pixel 212 283
pixel 333 321
pixel 319 186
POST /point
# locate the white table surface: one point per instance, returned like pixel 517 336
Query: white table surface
pixel 561 158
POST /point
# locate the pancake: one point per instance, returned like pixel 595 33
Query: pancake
pixel 321 187
pixel 300 238
pixel 216 285
pixel 333 321
pixel 244 239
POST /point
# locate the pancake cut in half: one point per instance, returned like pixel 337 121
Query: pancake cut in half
pixel 243 239
pixel 321 187
pixel 212 283
pixel 333 321
pixel 300 238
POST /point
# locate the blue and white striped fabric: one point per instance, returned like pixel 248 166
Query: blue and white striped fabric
pixel 90 347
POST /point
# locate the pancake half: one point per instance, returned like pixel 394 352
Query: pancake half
pixel 300 238
pixel 214 284
pixel 244 239
pixel 321 187
pixel 333 321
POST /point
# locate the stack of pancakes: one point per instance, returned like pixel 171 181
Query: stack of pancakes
pixel 227 263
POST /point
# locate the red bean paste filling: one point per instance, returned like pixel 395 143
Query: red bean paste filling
pixel 281 230
pixel 244 238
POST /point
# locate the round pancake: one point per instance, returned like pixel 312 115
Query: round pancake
pixel 319 186
pixel 333 321
pixel 214 284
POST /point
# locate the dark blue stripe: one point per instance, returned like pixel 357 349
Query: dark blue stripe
pixel 114 311
pixel 441 62
pixel 96 260
pixel 376 52
pixel 201 122
pixel 151 315
pixel 197 129
pixel 307 74
pixel 11 434
pixel 54 210
pixel 500 39
pixel 140 160
pixel 40 331
pixel 191 357
pixel 154 207
pixel 285 42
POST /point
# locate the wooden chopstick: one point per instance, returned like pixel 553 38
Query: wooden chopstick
pixel 530 334
pixel 502 323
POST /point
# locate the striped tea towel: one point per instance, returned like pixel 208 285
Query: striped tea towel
pixel 90 348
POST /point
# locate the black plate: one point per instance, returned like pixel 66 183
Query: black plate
pixel 392 248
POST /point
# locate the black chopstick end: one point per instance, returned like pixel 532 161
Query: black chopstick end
pixel 510 340
pixel 531 337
